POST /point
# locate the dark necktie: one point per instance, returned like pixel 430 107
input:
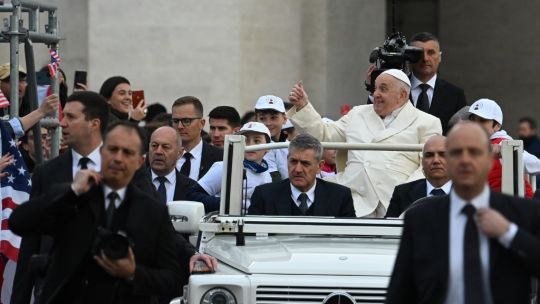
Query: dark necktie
pixel 109 213
pixel 303 203
pixel 422 103
pixel 161 189
pixel 186 167
pixel 472 266
pixel 437 192
pixel 83 162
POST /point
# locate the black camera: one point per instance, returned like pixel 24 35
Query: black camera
pixel 394 54
pixel 114 245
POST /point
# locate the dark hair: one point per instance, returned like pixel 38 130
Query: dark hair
pixel 108 86
pixel 95 106
pixel 305 141
pixel 190 100
pixel 248 116
pixel 423 37
pixel 153 110
pixel 128 125
pixel 530 121
pixel 228 113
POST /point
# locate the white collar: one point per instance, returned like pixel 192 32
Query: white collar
pixel 94 156
pixel 196 152
pixel 171 177
pixel 446 187
pixel 121 193
pixel 388 119
pixel 310 193
pixel 457 203
pixel 415 82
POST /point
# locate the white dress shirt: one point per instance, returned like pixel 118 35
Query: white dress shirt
pixel 170 183
pixel 196 156
pixel 416 90
pixel 94 163
pixel 295 193
pixel 458 220
pixel 121 193
pixel 446 187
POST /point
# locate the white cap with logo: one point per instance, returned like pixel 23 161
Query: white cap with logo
pixel 487 109
pixel 255 127
pixel 270 102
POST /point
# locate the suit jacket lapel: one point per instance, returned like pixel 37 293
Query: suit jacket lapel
pixel 418 191
pixel 178 187
pixel 441 225
pixel 436 106
pixel 373 122
pixel 405 118
pixel 283 202
pixel 322 202
pixel 494 246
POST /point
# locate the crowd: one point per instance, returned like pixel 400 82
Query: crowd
pixel 120 164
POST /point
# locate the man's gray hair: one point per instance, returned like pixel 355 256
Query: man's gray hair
pixel 307 142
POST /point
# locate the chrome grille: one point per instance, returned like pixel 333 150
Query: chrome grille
pixel 315 295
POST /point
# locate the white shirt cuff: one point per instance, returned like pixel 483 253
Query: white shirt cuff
pixel 17 127
pixel 507 238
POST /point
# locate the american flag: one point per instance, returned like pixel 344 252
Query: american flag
pixel 4 102
pixel 14 190
pixel 55 63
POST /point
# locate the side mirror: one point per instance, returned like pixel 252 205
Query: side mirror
pixel 185 216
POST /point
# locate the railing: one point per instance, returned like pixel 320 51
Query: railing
pixel 234 148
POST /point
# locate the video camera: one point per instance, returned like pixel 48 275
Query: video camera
pixel 394 54
pixel 114 245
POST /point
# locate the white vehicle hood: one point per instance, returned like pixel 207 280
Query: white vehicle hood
pixel 306 255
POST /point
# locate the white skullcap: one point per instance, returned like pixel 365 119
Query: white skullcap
pixel 399 75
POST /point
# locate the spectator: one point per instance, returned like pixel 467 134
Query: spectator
pixel 154 110
pixel 429 92
pixel 224 120
pixel 302 193
pixel 188 120
pixel 270 111
pixel 208 188
pixel 117 92
pixel 392 119
pixel 164 151
pixel 436 183
pixel 18 126
pixel 472 246
pixel 489 115
pixel 527 133
pixel 248 116
pixel 82 272
pixel 28 149
pixel 289 131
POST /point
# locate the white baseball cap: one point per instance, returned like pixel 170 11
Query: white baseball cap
pixel 287 125
pixel 399 75
pixel 258 127
pixel 487 109
pixel 270 102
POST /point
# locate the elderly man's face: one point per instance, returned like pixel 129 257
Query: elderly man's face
pixel 303 168
pixel 433 160
pixel 164 151
pixel 389 95
pixel 468 156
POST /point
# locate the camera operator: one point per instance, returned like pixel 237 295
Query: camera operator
pixel 429 92
pixel 113 242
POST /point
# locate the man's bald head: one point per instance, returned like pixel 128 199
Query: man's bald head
pixel 164 150
pixel 469 158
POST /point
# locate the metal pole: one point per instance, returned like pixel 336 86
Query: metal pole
pixel 55 134
pixel 14 60
pixel 31 90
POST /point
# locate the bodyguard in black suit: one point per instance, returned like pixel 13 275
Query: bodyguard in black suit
pixel 436 182
pixel 164 150
pixel 80 271
pixel 199 156
pixel 473 246
pixel 302 193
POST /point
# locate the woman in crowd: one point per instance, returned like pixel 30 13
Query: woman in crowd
pixel 117 92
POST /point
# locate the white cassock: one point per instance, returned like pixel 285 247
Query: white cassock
pixel 372 175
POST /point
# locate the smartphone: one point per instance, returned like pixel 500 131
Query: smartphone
pixel 80 77
pixel 137 97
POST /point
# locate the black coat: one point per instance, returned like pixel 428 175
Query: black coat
pixel 275 199
pixel 209 156
pixel 73 222
pixel 404 195
pixel 421 269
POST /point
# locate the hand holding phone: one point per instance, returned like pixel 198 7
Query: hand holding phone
pixel 137 97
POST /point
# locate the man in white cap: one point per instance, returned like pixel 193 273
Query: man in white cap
pixel 489 115
pixel 391 119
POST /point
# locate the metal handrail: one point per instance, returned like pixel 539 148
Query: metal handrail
pixel 344 146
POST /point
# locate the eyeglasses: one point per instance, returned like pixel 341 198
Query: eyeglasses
pixel 186 122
